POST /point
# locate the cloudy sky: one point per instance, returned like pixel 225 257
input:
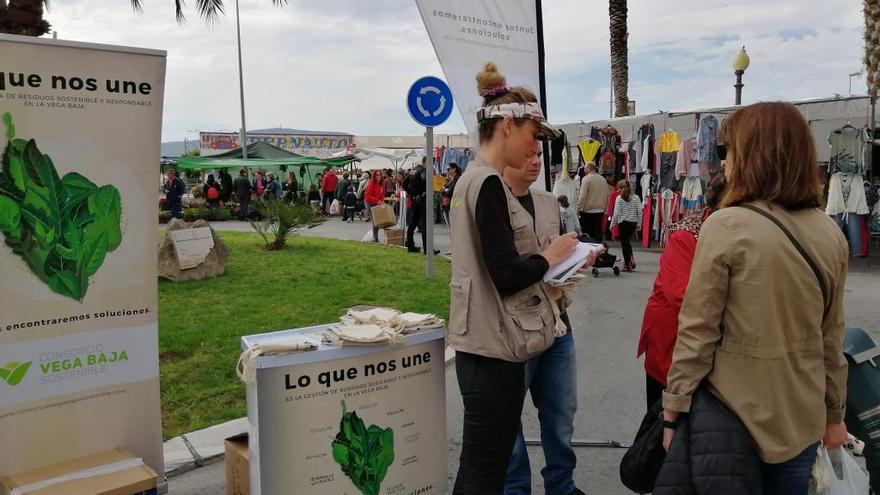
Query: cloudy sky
pixel 345 65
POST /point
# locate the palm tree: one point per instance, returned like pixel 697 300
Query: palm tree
pixel 617 12
pixel 872 45
pixel 25 17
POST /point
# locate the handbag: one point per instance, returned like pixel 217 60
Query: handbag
pixel 643 460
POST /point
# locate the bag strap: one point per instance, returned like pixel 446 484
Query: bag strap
pixel 800 249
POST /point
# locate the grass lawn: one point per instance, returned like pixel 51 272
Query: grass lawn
pixel 310 282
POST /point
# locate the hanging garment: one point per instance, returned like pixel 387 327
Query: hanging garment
pixel 669 142
pixel 631 158
pixel 670 213
pixel 609 211
pixel 588 149
pixel 646 221
pixel 846 194
pixel 667 171
pixel 645 186
pixel 610 139
pixel 556 148
pixel 644 160
pixel 684 158
pixel 847 150
pixel 692 195
pixel 707 138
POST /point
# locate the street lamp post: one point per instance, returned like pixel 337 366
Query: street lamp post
pixel 740 64
pixel 854 74
pixel 241 85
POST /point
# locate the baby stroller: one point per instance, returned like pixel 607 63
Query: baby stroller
pixel 605 260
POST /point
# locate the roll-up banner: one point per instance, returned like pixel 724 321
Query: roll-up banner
pixel 468 33
pixel 80 138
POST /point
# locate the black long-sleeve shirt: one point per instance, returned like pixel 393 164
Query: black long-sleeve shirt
pixel 510 272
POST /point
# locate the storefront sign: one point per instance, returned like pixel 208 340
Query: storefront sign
pixel 213 143
pixel 80 134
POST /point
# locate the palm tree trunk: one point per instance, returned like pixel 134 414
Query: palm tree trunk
pixel 617 13
pixel 23 17
pixel 872 44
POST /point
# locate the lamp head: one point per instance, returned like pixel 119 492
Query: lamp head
pixel 741 60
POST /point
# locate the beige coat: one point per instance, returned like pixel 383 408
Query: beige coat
pixel 481 321
pixel 753 326
pixel 594 194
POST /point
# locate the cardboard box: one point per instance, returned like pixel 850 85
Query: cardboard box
pixel 238 471
pixel 112 472
pixel 394 237
pixel 383 216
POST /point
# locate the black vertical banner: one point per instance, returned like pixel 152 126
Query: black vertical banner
pixel 543 88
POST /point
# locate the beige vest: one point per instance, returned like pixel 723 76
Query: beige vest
pixel 512 328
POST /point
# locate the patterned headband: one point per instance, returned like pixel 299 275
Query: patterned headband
pixel 496 91
pixel 518 111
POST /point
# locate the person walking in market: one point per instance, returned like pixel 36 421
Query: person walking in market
pixel 660 323
pixel 342 188
pixel 243 190
pixel 628 215
pixel 328 189
pixel 225 185
pixel 551 377
pixel 374 195
pixel 291 188
pixel 592 201
pixel 211 191
pixel 446 193
pixel 495 275
pixel 174 191
pixel 416 188
pixel 273 187
pixel 259 185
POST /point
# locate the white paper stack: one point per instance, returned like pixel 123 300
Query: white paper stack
pixel 559 274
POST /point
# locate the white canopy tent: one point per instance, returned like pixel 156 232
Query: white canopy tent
pixel 382 158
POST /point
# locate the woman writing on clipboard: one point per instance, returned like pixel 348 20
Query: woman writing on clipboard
pixel 500 311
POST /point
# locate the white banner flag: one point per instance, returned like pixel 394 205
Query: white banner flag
pixel 467 33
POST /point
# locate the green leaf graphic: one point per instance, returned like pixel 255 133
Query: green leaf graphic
pixel 62 227
pixel 10 217
pixel 18 373
pixel 363 453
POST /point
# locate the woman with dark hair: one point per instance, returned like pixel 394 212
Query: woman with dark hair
pixel 761 324
pixel 660 324
pixel 212 191
pixel 500 312
pixel 628 215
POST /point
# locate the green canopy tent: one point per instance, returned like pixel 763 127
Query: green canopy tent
pixel 263 156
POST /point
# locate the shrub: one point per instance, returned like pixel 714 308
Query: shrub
pixel 164 216
pixel 280 219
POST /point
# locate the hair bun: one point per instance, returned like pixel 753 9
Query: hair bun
pixel 490 78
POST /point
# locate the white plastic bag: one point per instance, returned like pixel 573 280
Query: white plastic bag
pixel 836 473
pixel 334 207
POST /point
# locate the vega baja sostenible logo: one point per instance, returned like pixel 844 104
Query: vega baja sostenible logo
pixel 13 373
pixel 66 365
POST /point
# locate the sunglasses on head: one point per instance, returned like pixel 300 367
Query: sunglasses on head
pixel 721 149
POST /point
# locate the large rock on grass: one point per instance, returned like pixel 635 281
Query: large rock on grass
pixel 169 265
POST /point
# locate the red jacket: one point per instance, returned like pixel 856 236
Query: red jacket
pixel 660 324
pixel 374 193
pixel 329 183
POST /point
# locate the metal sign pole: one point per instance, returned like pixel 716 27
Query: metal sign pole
pixel 429 202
